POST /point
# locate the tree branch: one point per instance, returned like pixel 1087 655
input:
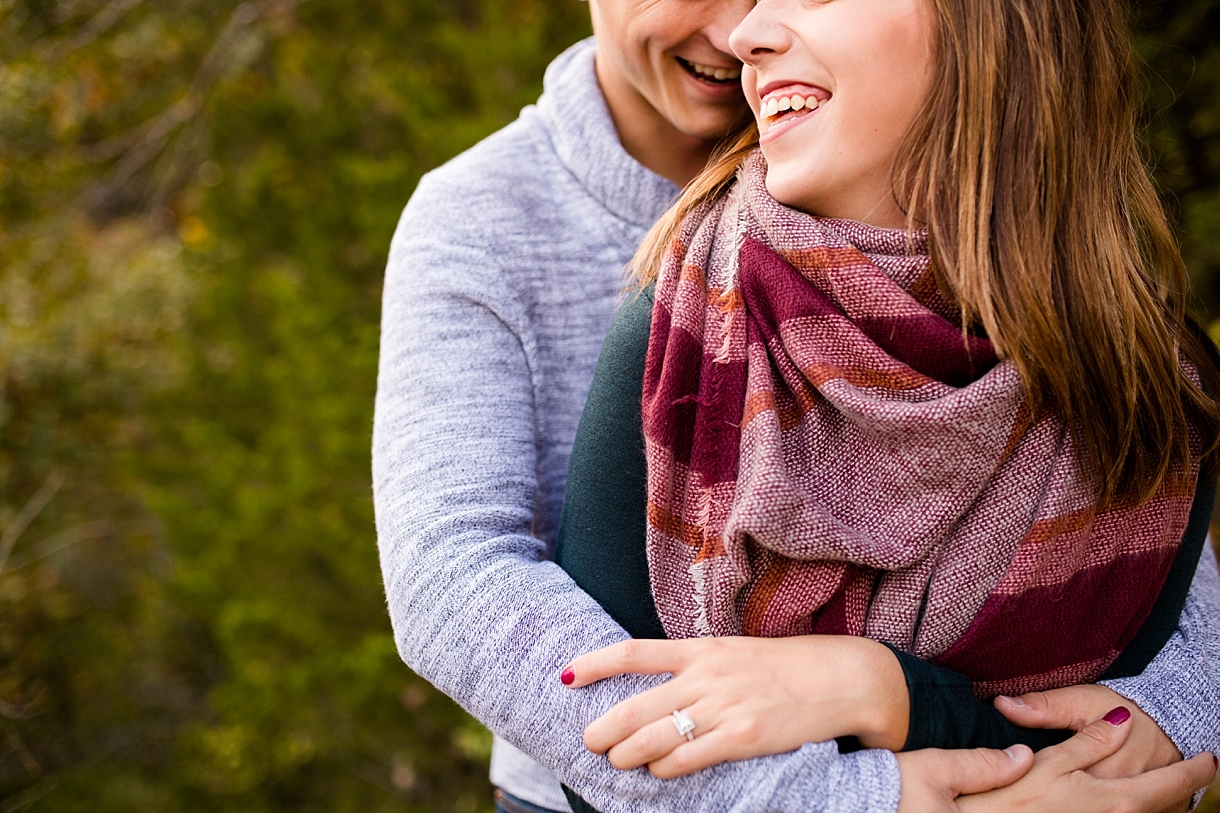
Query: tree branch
pixel 28 513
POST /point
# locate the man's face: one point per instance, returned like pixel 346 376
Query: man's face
pixel 674 56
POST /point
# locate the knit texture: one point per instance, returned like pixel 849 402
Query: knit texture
pixel 503 277
pixel 829 454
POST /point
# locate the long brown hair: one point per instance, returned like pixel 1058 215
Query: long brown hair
pixel 1025 166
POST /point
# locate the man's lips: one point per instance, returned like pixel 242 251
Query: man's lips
pixel 717 74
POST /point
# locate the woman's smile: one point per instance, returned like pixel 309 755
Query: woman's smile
pixel 784 104
pixel 874 57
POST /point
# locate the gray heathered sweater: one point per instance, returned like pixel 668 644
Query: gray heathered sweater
pixel 503 277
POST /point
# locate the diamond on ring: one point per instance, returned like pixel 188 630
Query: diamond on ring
pixel 684 724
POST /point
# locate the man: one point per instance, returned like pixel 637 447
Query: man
pixel 503 277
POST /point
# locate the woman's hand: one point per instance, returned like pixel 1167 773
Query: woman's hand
pixel 1145 748
pixel 748 697
pixel 1060 778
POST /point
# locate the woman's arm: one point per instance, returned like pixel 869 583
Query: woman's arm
pixel 474 609
pixel 600 545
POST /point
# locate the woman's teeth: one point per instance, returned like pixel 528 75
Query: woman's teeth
pixel 776 105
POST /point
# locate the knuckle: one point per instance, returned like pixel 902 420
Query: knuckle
pixel 620 759
pixel 989 759
pixel 650 741
pixel 1097 735
pixel 748 732
pixel 1038 701
pixel 629 652
pixel 1185 783
pixel 753 730
pixel 626 717
pixel 681 762
pixel 592 742
pixel 978 762
pixel 664 769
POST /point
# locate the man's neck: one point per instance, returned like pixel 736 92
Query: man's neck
pixel 649 137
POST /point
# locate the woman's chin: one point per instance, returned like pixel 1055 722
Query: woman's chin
pixel 791 188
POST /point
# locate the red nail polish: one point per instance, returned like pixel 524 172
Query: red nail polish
pixel 1117 716
pixel 568 676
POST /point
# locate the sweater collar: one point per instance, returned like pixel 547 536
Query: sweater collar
pixel 575 115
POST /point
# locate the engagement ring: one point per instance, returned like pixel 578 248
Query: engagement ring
pixel 684 724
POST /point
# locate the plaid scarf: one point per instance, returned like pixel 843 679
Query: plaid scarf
pixel 828 453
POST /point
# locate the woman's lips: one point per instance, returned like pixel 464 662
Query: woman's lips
pixel 783 104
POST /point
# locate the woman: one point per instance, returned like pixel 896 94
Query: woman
pixel 833 446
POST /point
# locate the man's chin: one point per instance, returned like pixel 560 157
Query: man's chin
pixel 712 128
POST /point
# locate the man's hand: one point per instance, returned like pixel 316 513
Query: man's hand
pixel 932 779
pixel 1060 778
pixel 1145 748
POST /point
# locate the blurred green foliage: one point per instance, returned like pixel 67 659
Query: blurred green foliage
pixel 196 199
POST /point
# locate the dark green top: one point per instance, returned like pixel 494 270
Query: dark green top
pixel 601 544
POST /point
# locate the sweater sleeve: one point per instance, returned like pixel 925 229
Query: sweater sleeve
pixel 1180 689
pixel 474 608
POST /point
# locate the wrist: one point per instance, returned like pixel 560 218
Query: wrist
pixel 883 704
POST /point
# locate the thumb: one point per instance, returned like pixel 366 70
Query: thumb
pixel 1062 708
pixel 981 769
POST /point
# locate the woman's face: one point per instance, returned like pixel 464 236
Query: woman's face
pixel 834 85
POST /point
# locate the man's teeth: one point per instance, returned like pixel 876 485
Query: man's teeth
pixel 719 74
pixel 776 105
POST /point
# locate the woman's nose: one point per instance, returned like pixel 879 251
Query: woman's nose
pixel 760 33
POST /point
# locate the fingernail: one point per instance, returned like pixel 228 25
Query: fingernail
pixel 568 676
pixel 1012 752
pixel 1016 701
pixel 1117 716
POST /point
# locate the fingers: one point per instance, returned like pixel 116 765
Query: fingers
pixel 981 769
pixel 711 748
pixel 637 656
pixel 636 714
pixel 669 754
pixel 1093 743
pixel 645 745
pixel 1072 707
pixel 1163 788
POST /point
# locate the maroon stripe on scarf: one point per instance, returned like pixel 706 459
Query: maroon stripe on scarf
pixel 1025 634
pixel 689 395
pixel 775 293
pixel 717 424
pixel 671 384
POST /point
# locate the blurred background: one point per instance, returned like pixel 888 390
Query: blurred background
pixel 196 201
